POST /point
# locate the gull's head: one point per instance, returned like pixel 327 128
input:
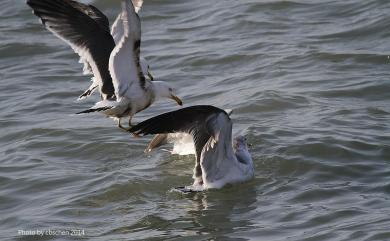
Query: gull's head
pixel 145 68
pixel 240 142
pixel 242 153
pixel 165 90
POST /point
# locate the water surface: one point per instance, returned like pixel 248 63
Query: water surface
pixel 309 85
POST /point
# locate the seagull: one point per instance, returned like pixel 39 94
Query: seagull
pixel 115 65
pixel 182 142
pixel 219 160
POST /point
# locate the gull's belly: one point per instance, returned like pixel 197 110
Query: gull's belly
pixel 128 107
pixel 141 103
pixel 121 109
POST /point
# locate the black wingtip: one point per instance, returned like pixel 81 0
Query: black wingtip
pixel 83 112
pixel 135 130
pixel 30 4
pixel 94 110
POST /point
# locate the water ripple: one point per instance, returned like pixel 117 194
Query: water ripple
pixel 308 83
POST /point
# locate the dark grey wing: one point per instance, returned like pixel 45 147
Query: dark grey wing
pixel 92 12
pixel 86 30
pixel 194 120
pixel 96 15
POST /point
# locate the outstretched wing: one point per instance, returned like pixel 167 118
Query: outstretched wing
pixel 198 121
pixel 99 17
pixel 117 29
pixel 86 30
pixel 124 62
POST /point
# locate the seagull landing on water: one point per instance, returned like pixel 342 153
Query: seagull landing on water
pixel 219 160
pixel 113 58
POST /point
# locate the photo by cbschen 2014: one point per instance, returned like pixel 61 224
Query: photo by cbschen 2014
pixel 263 120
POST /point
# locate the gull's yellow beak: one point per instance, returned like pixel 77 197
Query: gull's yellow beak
pixel 177 99
pixel 150 76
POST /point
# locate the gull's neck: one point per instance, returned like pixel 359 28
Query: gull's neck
pixel 157 88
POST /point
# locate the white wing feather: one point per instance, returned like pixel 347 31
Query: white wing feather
pixel 117 29
pixel 123 60
pixel 85 57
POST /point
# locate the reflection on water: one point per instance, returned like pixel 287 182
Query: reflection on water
pixel 221 214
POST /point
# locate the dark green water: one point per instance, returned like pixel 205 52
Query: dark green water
pixel 309 84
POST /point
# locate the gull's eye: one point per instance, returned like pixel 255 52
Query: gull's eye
pixel 170 89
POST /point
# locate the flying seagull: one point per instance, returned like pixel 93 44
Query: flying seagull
pixel 218 160
pixel 182 142
pixel 116 66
